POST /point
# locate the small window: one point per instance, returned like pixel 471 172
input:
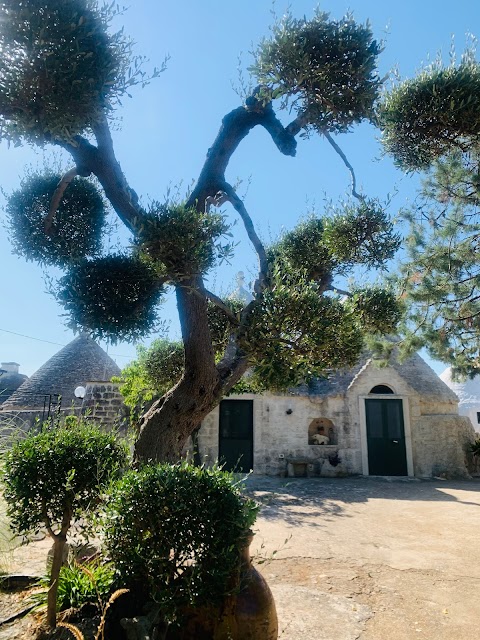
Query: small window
pixel 478 417
pixel 381 388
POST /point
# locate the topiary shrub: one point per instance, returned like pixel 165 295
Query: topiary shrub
pixel 173 533
pixel 55 477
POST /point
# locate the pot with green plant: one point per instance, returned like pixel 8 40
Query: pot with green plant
pixel 178 536
pixel 53 479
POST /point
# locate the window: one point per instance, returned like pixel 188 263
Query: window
pixel 381 388
pixel 478 417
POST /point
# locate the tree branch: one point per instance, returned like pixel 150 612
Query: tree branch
pixel 218 302
pixel 297 125
pixel 102 163
pixel 252 234
pixel 346 162
pixel 342 292
pixel 235 126
pixel 57 198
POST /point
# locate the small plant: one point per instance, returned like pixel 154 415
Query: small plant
pixel 79 584
pixel 54 478
pixel 475 448
pixel 173 533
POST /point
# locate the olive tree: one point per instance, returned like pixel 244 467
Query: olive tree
pixel 63 72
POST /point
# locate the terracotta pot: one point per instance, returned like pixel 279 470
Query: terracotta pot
pixel 248 615
pixel 255 612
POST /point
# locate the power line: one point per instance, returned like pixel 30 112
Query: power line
pixel 58 344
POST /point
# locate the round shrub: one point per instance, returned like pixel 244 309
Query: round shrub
pixel 57 472
pixel 173 533
pixel 325 69
pixel 60 69
pixel 185 241
pixel 424 118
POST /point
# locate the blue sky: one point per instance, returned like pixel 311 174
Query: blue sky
pixel 164 132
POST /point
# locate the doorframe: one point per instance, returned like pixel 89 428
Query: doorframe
pixel 406 426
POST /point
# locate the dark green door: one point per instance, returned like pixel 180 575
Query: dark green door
pixel 235 446
pixel 387 454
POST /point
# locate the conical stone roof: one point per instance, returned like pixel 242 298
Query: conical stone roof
pixel 81 361
pixel 10 381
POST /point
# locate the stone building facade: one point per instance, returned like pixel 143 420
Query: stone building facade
pixel 103 402
pixel 397 420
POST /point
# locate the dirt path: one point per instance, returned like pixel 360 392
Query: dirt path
pixel 372 559
pixel 359 558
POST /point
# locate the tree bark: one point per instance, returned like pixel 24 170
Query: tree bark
pixel 59 543
pixel 170 421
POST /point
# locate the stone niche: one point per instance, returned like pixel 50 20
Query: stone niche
pixel 321 431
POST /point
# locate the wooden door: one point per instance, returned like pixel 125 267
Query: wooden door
pixel 235 446
pixel 387 454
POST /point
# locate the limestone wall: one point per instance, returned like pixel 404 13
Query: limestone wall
pixel 440 445
pixel 103 402
pixel 281 434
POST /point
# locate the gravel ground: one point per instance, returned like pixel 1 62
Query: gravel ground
pixel 371 558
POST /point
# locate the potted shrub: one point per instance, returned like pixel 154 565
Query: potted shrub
pixel 176 535
pixel 54 478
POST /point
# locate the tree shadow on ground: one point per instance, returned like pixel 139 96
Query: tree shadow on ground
pixel 313 502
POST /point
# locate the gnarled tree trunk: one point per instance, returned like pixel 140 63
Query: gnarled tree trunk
pixel 172 419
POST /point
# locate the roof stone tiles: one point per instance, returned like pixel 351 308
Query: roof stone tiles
pixel 81 361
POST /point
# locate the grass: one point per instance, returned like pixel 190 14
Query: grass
pixel 7 540
pixel 10 429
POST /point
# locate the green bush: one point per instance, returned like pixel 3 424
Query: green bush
pixel 57 471
pixel 173 533
pixel 79 584
pixel 55 477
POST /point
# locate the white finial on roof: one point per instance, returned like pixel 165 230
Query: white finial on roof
pixel 241 293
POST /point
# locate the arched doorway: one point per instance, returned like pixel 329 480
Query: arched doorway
pixel 386 445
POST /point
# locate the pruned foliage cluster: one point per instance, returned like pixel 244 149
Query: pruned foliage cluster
pixel 377 309
pixel 112 297
pixel 433 114
pixel 361 233
pixel 57 473
pixel 295 334
pixel 350 234
pixel 76 229
pixel 324 69
pixel 182 240
pixel 60 69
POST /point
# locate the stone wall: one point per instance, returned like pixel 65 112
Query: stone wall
pixel 103 402
pixel 280 435
pixel 441 446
